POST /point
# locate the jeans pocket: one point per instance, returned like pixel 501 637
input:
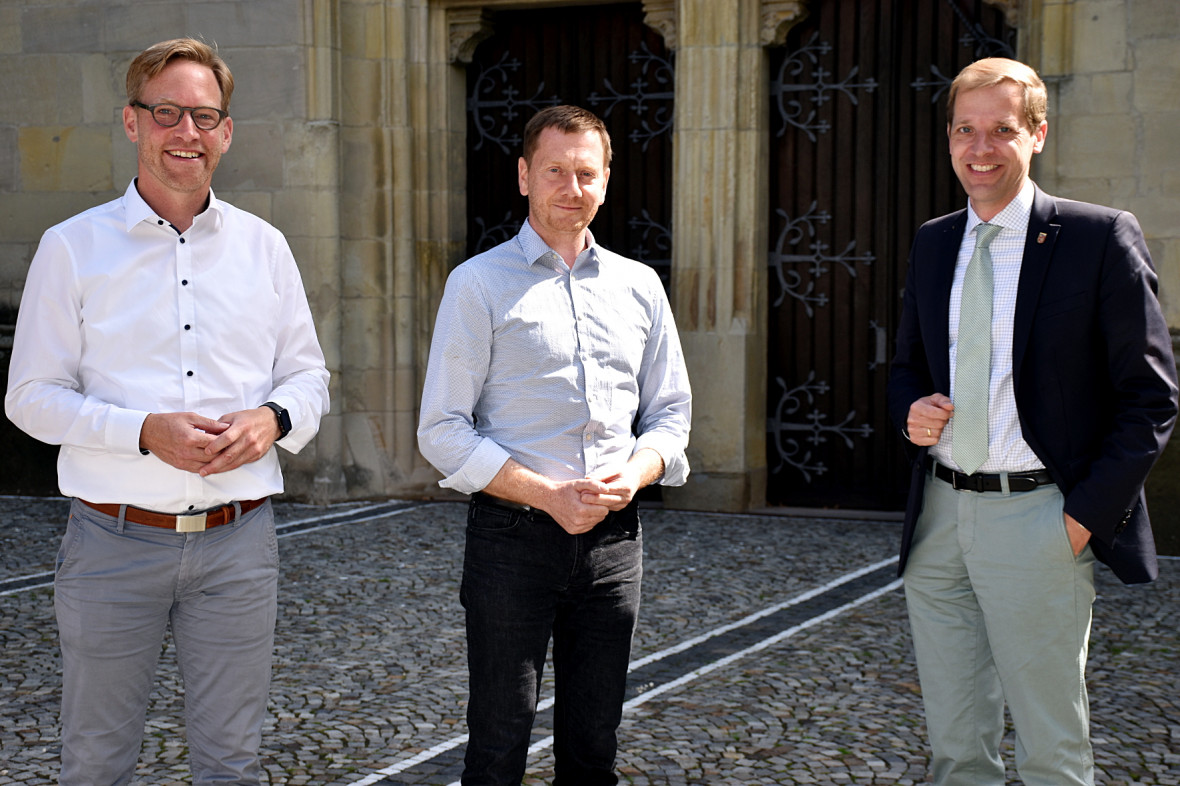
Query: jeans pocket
pixel 622 526
pixel 629 522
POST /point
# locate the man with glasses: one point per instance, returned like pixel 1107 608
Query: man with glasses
pixel 165 342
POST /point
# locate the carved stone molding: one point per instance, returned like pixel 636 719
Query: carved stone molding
pixel 467 28
pixel 660 15
pixel 1011 9
pixel 778 17
pixel 469 25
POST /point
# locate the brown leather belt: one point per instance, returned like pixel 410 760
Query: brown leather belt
pixel 196 522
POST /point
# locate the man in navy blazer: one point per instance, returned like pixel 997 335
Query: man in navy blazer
pixel 1079 402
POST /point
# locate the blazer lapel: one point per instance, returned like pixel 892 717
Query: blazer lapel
pixel 1043 230
pixel 946 254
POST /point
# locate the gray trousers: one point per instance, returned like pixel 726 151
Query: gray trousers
pixel 118 587
pixel 1000 609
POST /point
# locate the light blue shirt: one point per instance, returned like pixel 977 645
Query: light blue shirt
pixel 567 371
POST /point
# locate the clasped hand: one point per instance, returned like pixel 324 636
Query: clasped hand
pixel 581 504
pixel 195 443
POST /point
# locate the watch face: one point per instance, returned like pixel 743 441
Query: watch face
pixel 283 416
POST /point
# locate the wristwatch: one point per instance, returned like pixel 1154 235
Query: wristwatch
pixel 284 418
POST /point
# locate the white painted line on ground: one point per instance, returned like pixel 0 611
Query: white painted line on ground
pixel 47 580
pixel 379 512
pixel 402 766
pixel 646 696
pixel 764 644
pixel 806 596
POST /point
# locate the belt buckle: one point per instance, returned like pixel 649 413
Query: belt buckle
pixel 972 482
pixel 195 523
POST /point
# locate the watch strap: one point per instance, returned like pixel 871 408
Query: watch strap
pixel 283 417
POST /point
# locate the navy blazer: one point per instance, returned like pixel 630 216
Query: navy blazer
pixel 1092 364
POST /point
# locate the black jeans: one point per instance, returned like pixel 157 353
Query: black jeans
pixel 525 578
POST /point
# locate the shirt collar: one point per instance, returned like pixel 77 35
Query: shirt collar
pixel 535 249
pixel 136 210
pixel 1015 214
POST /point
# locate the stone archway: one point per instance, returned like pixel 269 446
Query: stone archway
pixel 404 225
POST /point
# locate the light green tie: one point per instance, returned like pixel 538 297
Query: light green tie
pixel 973 361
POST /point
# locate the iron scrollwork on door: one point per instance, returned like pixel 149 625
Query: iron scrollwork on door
pixel 812 429
pixel 654 110
pixel 498 108
pixel 654 70
pixel 818 261
pixel 495 234
pixel 494 105
pixel 655 248
pixel 786 93
pixel 983 45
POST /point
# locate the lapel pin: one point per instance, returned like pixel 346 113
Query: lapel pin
pixel 1041 237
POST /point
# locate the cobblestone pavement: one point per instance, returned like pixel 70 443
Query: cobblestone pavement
pixel 771 650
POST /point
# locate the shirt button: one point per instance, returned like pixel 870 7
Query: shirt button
pixel 182 241
pixel 189 374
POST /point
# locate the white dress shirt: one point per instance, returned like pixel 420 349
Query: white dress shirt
pixel 553 367
pixel 122 317
pixel 1007 450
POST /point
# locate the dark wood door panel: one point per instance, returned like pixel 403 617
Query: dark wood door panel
pixel 858 160
pixel 602 58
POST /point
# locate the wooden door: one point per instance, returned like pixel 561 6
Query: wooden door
pixel 858 160
pixel 602 58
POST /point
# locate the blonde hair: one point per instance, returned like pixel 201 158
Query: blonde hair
pixel 992 71
pixel 151 61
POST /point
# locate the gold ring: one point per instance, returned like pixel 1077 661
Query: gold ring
pixel 929 433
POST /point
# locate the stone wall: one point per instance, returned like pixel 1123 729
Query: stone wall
pixel 349 136
pixel 1115 70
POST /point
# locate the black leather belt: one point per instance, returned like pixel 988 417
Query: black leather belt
pixel 536 515
pixel 487 499
pixel 1017 481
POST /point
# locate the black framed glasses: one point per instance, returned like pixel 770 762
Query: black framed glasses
pixel 205 118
